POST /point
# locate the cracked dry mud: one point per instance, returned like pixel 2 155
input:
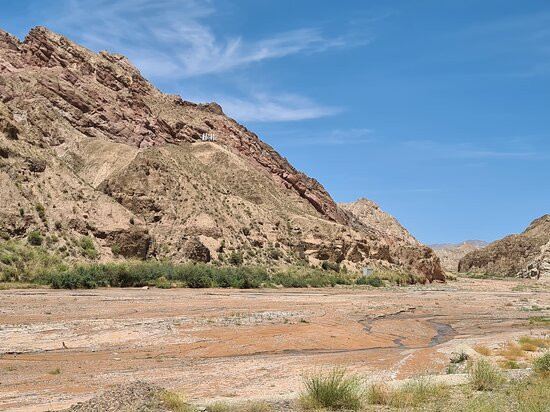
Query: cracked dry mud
pixel 253 344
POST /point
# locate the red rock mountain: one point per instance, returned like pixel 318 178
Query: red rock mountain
pixel 88 147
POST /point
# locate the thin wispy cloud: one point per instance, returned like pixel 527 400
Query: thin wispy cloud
pixel 263 107
pixel 172 37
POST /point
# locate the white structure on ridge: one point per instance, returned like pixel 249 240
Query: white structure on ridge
pixel 207 137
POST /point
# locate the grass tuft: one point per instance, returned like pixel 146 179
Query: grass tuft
pixel 539 342
pixel 483 350
pixel 173 401
pixel 541 364
pixel 334 390
pixel 410 395
pixel 484 376
pixel 511 351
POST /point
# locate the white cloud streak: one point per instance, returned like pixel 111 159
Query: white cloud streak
pixel 261 107
pixel 170 37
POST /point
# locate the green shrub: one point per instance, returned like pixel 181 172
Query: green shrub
pixel 334 390
pixel 484 376
pixel 5 235
pixel 328 265
pixel 542 363
pixel 72 280
pixel 374 281
pixel 275 254
pixel 35 238
pixel 235 258
pixel 41 211
pixel 88 248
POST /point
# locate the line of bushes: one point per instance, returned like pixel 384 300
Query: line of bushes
pixel 136 274
pixel 20 262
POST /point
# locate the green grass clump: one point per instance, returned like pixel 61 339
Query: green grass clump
pixel 541 364
pixel 539 320
pixel 483 403
pixel 334 390
pixel 20 262
pixel 484 376
pixel 374 281
pixel 88 248
pixel 35 238
pixel 399 278
pixel 41 211
pixel 533 394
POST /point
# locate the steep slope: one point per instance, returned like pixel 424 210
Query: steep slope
pixel 451 253
pixel 89 148
pixel 526 254
pixel 409 252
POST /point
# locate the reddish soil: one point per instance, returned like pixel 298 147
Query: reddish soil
pixel 243 343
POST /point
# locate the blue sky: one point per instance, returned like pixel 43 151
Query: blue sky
pixel 438 111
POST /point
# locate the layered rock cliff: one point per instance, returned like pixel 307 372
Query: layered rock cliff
pixel 526 254
pixel 88 147
pixel 364 214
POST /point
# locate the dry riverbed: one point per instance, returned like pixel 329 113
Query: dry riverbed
pixel 58 347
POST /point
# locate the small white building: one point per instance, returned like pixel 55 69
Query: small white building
pixel 208 137
pixel 367 271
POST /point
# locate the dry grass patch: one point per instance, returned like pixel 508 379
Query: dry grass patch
pixel 483 350
pixel 511 351
pixel 173 401
pixel 252 406
pixel 410 395
pixel 529 347
pixel 538 342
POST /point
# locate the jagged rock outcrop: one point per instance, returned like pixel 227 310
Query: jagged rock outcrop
pixel 526 254
pixel 451 253
pixel 88 147
pixel 404 249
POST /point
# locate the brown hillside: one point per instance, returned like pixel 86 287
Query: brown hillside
pixel 526 254
pixel 88 147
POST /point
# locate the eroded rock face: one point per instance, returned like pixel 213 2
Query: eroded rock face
pixel 525 254
pixel 109 156
pixel 404 249
pixel 193 249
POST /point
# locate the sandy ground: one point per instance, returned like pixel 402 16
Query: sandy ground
pixel 60 347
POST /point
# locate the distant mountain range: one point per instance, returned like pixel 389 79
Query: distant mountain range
pixel 451 253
